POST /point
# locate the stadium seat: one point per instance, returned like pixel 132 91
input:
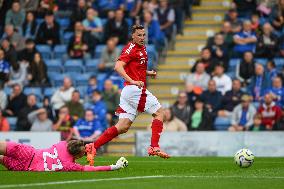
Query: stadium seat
pixel 64 23
pixel 222 123
pixel 73 65
pixel 101 77
pixel 256 104
pixel 82 79
pixel 117 80
pixel 67 36
pixel 59 51
pixel 231 74
pixel 233 63
pixel 7 90
pixel 12 122
pixel 98 51
pixel 82 90
pixel 92 66
pixel 54 65
pixel 39 21
pixel 45 51
pixel 49 91
pixel 33 90
pixel 261 61
pixel 57 81
pixel 279 62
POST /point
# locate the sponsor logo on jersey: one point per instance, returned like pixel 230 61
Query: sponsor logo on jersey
pixel 130 48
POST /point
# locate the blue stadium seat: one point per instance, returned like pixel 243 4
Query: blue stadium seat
pixel 67 36
pixel 101 77
pixel 98 51
pixel 33 90
pixel 82 79
pixel 222 123
pixel 279 62
pixel 233 63
pixel 54 65
pixel 45 51
pixel 49 91
pixel 261 61
pixel 73 65
pixel 39 21
pixel 57 81
pixel 92 66
pixel 64 23
pixel 256 104
pixel 231 74
pixel 8 90
pixel 12 122
pixel 59 51
pixel 83 91
pixel 117 80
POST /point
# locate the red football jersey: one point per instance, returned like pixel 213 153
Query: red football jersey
pixel 136 60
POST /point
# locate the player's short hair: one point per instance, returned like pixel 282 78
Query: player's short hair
pixel 136 27
pixel 75 147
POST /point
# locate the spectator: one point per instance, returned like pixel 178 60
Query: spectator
pixel 29 27
pixel 281 46
pixel 99 108
pixel 257 126
pixel 133 8
pixel 48 31
pixel 64 124
pixel 277 16
pixel 270 112
pixel 18 74
pixel 29 5
pixel 3 99
pixel 212 98
pixel 242 116
pixel 88 129
pixel 219 50
pixel 181 109
pixel 4 124
pixel 4 69
pixel 166 17
pixel 171 122
pixel 271 69
pixel 14 38
pixel 23 123
pixel 38 72
pixel 267 42
pixel 39 120
pixel 76 109
pixel 93 24
pixel 223 81
pixel 244 40
pixel 109 56
pixel 255 23
pixel 15 16
pixel 17 100
pixel 111 98
pixel 276 91
pixel 259 83
pixel 154 34
pixel 50 112
pixel 46 6
pixel 207 60
pixel 104 6
pixel 10 52
pixel 245 7
pixel 228 36
pixel 81 44
pixel 62 95
pixel 181 8
pixel 27 54
pixel 246 69
pixel 200 119
pixel 231 99
pixel 92 86
pixel 117 28
pixel 232 18
pixel 5 6
pixel 79 13
pixel 199 78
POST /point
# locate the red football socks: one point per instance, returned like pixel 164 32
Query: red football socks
pixel 107 136
pixel 157 128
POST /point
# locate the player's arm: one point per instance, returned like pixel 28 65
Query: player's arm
pixel 119 68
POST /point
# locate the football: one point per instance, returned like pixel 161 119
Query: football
pixel 244 158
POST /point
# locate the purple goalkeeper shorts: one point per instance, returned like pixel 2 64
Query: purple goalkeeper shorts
pixel 18 157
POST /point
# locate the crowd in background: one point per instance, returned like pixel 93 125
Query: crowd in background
pixel 31 33
pixel 237 83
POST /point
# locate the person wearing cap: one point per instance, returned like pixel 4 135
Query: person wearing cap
pixel 200 119
pixel 39 120
pixel 243 114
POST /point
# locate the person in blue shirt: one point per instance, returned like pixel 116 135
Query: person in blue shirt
pixel 88 128
pixel 4 68
pixel 272 70
pixel 104 6
pixel 277 91
pixel 99 108
pixel 93 24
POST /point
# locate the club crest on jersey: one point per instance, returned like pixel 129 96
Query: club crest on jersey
pixel 130 48
pixel 142 60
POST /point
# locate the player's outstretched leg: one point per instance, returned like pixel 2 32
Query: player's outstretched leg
pixel 157 128
pixel 122 126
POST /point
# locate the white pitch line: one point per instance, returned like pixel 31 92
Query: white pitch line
pixel 131 178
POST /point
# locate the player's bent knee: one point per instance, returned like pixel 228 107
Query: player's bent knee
pixel 123 125
pixel 3 146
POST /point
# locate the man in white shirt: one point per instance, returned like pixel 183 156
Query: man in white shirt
pixel 223 81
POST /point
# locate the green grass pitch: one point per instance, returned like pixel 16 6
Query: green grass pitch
pixel 153 172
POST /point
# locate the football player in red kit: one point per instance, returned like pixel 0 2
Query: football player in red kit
pixel 132 66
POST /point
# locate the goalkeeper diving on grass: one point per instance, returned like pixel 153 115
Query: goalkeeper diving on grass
pixel 59 157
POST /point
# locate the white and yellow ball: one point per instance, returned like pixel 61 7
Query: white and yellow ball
pixel 244 158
